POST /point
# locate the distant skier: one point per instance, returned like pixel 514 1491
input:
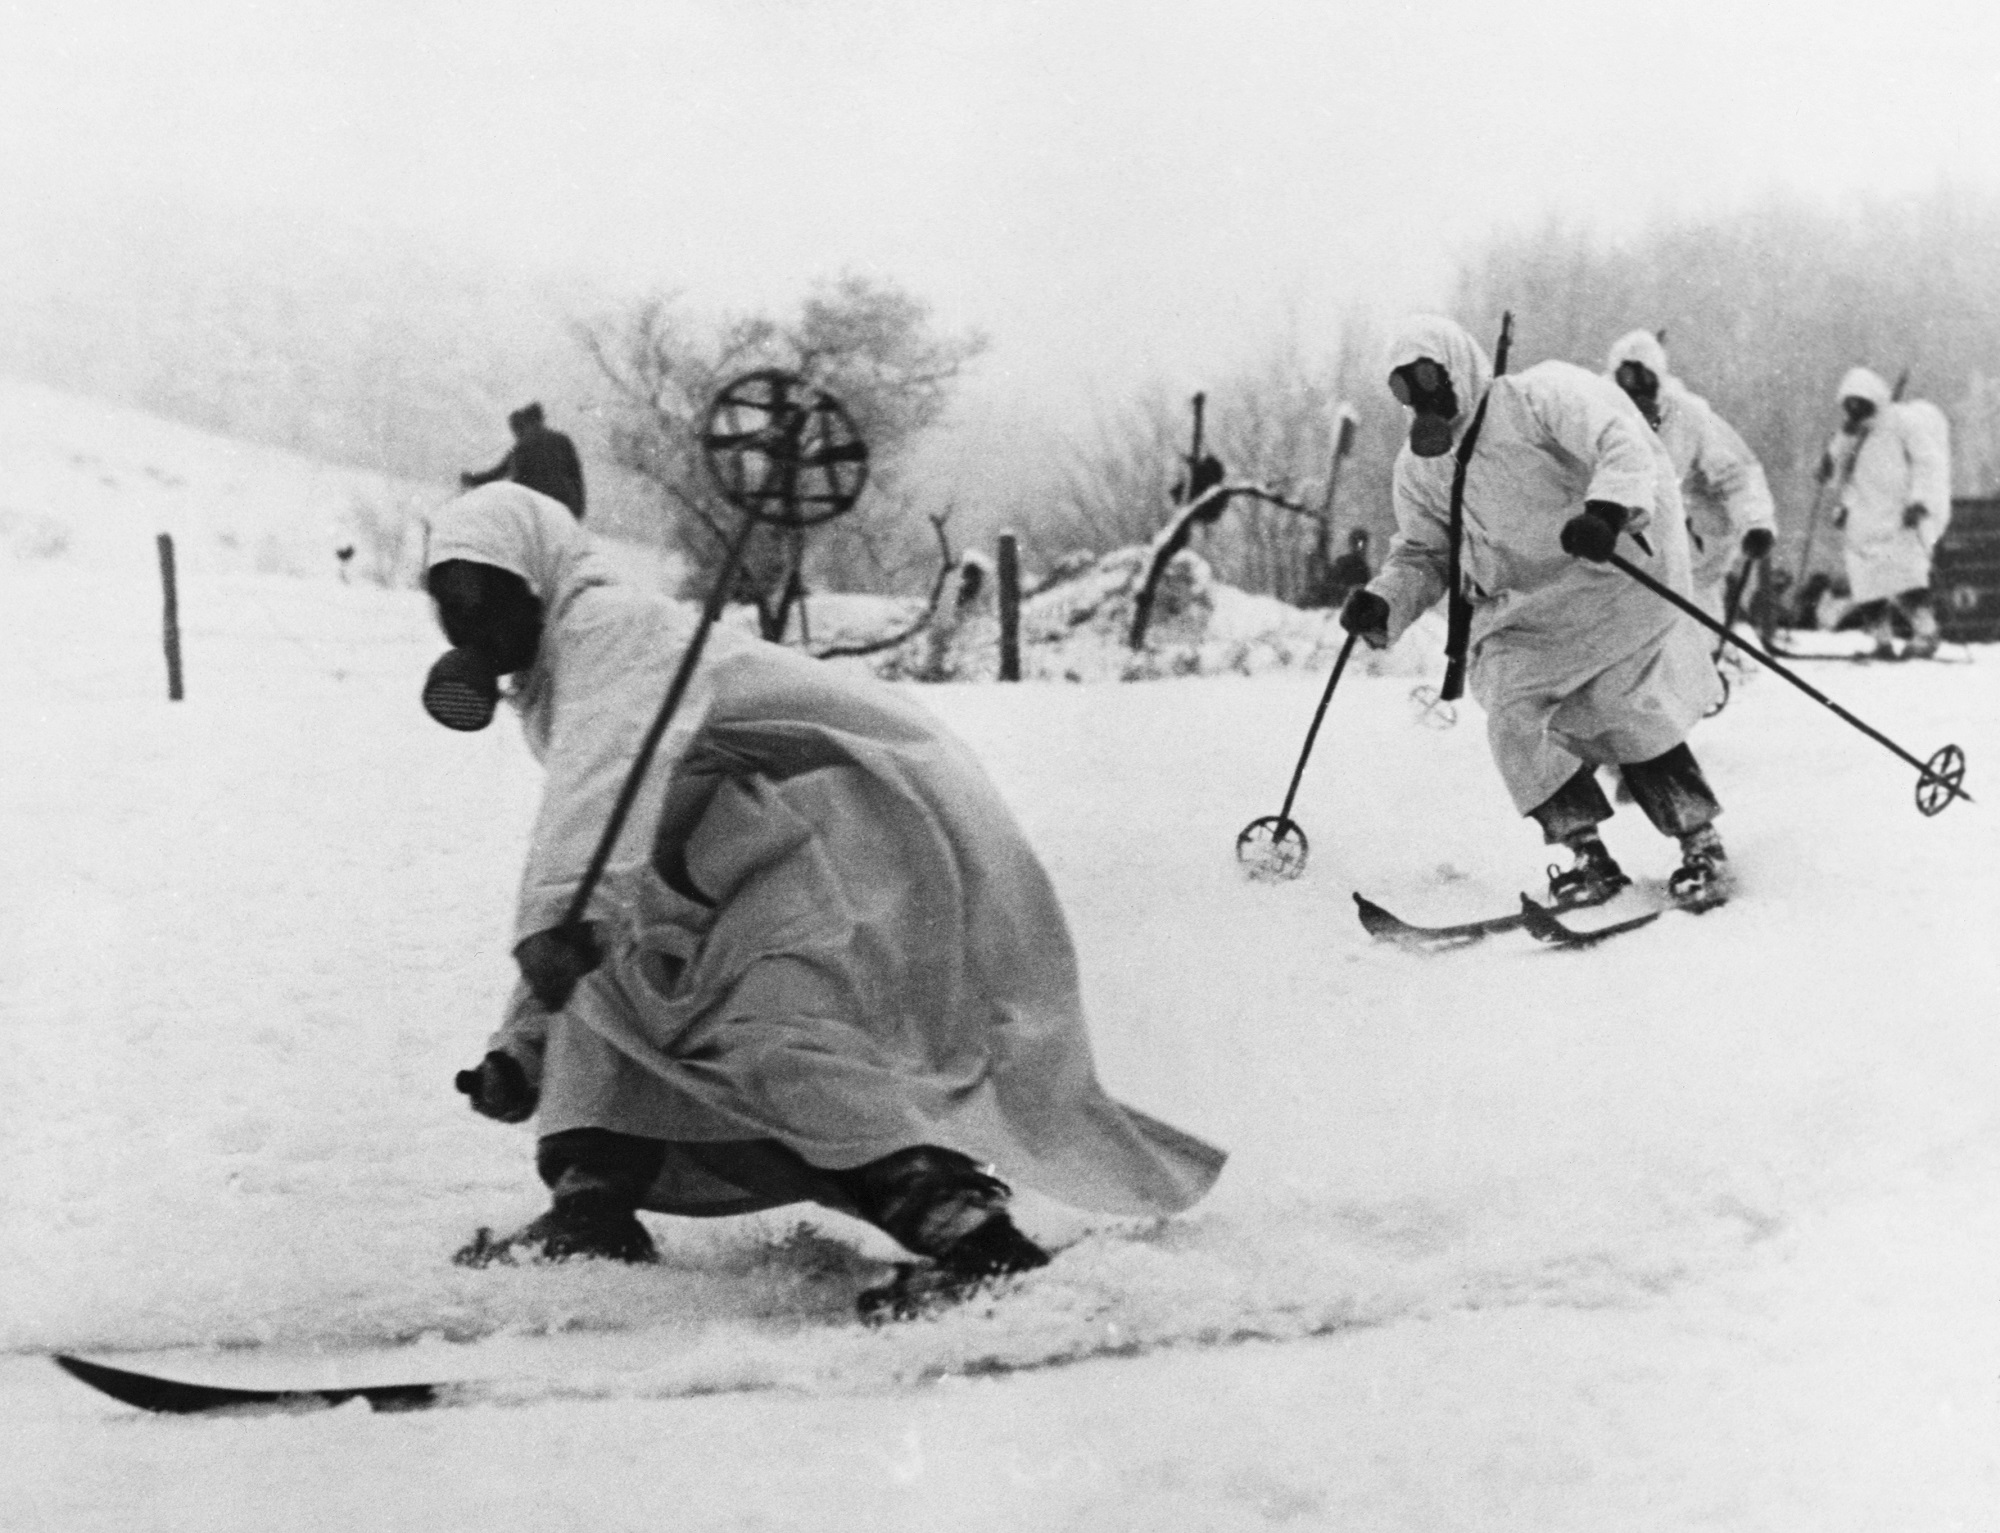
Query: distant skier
pixel 823 963
pixel 1893 460
pixel 1723 490
pixel 1575 664
pixel 541 458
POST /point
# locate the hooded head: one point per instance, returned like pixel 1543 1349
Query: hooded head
pixel 1638 365
pixel 1641 346
pixel 512 528
pixel 1862 383
pixel 1862 394
pixel 504 562
pixel 1437 417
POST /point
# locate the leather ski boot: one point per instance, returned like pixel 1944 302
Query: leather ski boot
pixel 1701 882
pixel 943 1205
pixel 1591 879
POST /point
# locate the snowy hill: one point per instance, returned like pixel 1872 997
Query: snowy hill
pixel 1696 1228
pixel 95 483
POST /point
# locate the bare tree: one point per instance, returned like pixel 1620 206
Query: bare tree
pixel 867 342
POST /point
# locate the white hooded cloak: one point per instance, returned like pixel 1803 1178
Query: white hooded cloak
pixel 1572 661
pixel 823 926
pixel 1900 457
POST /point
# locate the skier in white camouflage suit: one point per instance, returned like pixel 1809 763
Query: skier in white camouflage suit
pixel 1723 490
pixel 822 964
pixel 1576 664
pixel 1893 459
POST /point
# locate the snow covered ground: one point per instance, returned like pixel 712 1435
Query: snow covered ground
pixel 1695 1229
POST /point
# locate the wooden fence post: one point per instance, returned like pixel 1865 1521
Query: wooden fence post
pixel 1010 608
pixel 172 617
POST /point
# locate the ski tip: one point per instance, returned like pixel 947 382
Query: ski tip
pixel 1376 921
pixel 145 1391
pixel 150 1392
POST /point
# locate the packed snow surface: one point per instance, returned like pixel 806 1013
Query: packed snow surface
pixel 1693 1229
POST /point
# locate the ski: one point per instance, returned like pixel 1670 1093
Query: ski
pixel 1544 925
pixel 151 1392
pixel 1392 928
pixel 1378 922
pixel 1869 657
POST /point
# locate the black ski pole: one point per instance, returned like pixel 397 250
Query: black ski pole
pixel 1738 584
pixel 684 673
pixel 1828 493
pixel 1274 846
pixel 776 449
pixel 1939 778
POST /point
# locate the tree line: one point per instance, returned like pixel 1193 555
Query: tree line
pixel 1763 309
pixel 379 355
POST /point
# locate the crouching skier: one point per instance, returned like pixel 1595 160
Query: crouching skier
pixel 1576 665
pixel 822 964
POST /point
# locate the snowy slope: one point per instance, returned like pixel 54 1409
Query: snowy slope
pixel 92 483
pixel 1694 1229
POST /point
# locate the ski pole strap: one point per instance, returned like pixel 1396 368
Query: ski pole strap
pixel 1458 610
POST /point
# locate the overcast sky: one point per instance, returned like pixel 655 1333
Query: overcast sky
pixel 1114 190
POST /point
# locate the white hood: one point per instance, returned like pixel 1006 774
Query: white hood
pixel 514 528
pixel 1641 346
pixel 1860 383
pixel 1451 346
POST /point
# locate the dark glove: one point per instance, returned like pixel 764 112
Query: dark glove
pixel 1915 512
pixel 466 480
pixel 1757 542
pixel 553 961
pixel 499 1088
pixel 1593 532
pixel 1366 615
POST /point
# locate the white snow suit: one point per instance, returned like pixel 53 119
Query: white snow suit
pixel 1572 661
pixel 1723 489
pixel 822 925
pixel 1900 457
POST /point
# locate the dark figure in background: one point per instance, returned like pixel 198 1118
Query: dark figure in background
pixel 1207 473
pixel 1351 571
pixel 541 458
